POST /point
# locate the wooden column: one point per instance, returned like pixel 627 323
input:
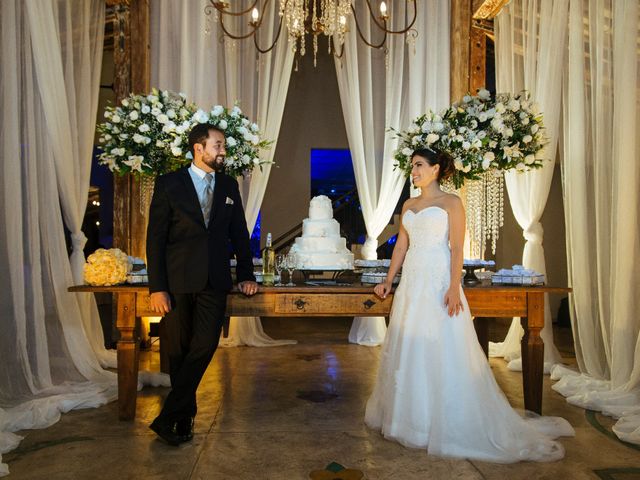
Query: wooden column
pixel 461 13
pixel 532 352
pixel 127 356
pixel 132 67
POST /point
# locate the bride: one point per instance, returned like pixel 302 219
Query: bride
pixel 435 389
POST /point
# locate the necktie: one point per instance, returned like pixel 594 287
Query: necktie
pixel 207 198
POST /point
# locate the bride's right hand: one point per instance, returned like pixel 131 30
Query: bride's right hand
pixel 382 289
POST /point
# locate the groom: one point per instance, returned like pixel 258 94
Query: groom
pixel 195 213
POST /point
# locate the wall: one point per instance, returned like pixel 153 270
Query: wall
pixel 312 119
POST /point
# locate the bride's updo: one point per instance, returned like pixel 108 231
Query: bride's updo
pixel 434 158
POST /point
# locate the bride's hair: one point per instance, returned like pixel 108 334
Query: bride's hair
pixel 433 158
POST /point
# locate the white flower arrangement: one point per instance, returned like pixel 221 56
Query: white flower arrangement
pixel 243 138
pixel 148 135
pixel 107 267
pixel 482 134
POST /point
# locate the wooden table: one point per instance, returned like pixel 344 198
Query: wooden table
pixel 338 301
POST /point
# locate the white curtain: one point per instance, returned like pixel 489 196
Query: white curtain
pixel 601 184
pixel 530 53
pixel 189 56
pixel 376 95
pixel 51 342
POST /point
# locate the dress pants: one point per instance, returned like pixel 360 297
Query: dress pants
pixel 194 326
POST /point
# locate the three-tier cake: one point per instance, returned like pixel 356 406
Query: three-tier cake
pixel 321 247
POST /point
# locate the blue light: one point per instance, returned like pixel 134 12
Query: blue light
pixel 393 240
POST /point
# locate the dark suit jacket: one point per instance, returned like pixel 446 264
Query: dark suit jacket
pixel 182 254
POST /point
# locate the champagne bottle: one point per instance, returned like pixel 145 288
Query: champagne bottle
pixel 268 263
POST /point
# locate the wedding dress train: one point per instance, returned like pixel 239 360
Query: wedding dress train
pixel 435 389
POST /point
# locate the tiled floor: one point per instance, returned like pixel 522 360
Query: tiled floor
pixel 280 413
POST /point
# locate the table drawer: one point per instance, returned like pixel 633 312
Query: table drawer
pixel 496 304
pixel 336 305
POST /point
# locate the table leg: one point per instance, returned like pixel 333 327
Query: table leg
pixel 532 349
pixel 481 325
pixel 127 356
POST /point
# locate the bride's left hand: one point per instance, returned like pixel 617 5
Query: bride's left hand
pixel 453 302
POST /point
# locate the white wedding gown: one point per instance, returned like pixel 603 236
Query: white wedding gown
pixel 435 389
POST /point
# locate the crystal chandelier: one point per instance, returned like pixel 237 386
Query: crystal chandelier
pixel 313 17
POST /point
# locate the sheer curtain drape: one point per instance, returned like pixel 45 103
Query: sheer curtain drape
pixel 376 95
pixel 530 52
pixel 601 184
pixel 188 55
pixel 51 348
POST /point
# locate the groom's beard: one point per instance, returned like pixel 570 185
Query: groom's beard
pixel 215 163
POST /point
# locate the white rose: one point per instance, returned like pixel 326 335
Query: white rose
pixel 484 94
pixel 177 141
pixel 521 167
pixel 432 138
pixel 138 138
pixel 525 121
pixel 466 145
pixel 416 140
pixel 477 143
pixel 407 152
pixel 184 112
pixel 180 129
pixel 152 98
pixel 144 128
pixel 500 108
pixel 245 122
pixel 483 117
pixel 426 127
pixel 462 129
pixel 155 111
pixel 508 132
pixel 159 143
pixel 458 164
pixel 490 156
pixel 486 164
pixel 529 159
pixel 231 142
pixel 176 151
pixel 493 144
pixel 115 129
pixel 235 112
pixel 123 136
pixel 133 115
pixel 162 118
pixel 183 95
pixel 222 124
pixel 255 139
pixel 482 134
pixel 256 161
pixel 171 113
pixel 534 128
pixel 438 127
pixel 254 127
pixel 246 160
pixel 466 168
pixel 242 130
pixel 514 105
pixel 125 103
pixel 201 116
pixel 115 118
pixel 217 111
pixel 169 127
pixel 459 138
pixel 145 109
pixel 108 137
pixel 466 99
pixel 527 139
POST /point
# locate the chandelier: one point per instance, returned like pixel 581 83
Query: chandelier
pixel 313 17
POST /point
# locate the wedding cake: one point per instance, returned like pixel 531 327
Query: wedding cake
pixel 320 247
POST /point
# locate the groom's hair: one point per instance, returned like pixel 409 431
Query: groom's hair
pixel 199 134
pixel 435 157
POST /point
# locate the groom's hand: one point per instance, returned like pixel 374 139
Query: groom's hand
pixel 160 302
pixel 248 288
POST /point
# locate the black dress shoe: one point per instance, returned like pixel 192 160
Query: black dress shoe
pixel 168 432
pixel 184 427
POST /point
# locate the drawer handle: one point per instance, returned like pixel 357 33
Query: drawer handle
pixel 368 304
pixel 300 304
